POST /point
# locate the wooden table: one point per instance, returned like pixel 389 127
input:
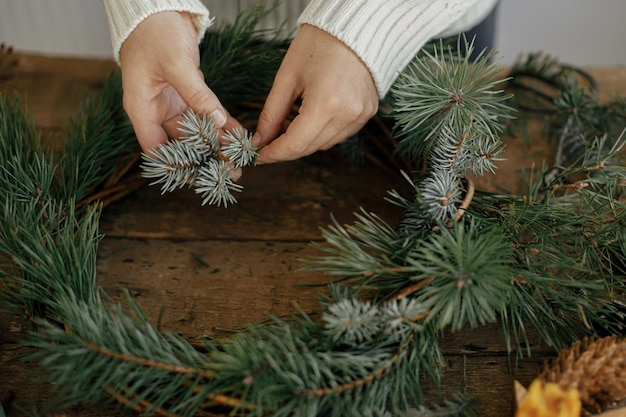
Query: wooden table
pixel 214 270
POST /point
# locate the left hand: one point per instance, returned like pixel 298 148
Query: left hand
pixel 338 97
pixel 161 79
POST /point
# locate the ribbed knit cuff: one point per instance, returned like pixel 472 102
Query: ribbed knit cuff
pixel 385 34
pixel 125 15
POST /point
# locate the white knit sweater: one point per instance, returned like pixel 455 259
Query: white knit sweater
pixel 385 34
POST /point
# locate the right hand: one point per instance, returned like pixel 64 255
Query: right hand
pixel 161 79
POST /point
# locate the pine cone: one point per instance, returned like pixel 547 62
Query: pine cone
pixel 594 367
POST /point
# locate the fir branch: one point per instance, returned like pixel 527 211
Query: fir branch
pixel 239 148
pixel 547 258
pixel 174 165
pixel 467 265
pixel 162 372
pixel 577 116
pixel 97 139
pixel 200 133
pixel 537 78
pixel 442 89
pixel 215 185
pixel 16 124
pixel 114 350
pixel 365 250
pixel 457 117
pixel 441 193
pixel 198 160
pixel 352 321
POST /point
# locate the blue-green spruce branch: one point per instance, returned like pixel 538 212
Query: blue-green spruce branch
pixel 200 159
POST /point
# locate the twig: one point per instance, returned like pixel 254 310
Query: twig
pixel 112 194
pixel 139 406
pixel 559 159
pixel 122 357
pixel 576 185
pixel 413 288
pixel 469 195
pixel 117 175
pixel 357 383
pixel 400 163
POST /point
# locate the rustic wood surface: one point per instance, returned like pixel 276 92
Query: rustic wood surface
pixel 214 270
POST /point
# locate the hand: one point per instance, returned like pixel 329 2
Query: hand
pixel 338 97
pixel 161 78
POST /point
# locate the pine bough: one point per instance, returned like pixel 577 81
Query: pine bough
pixel 199 159
pixel 552 258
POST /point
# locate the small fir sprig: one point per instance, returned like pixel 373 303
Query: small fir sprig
pixel 450 111
pixel 199 160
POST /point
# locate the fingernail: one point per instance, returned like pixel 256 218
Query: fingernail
pixel 256 139
pixel 219 117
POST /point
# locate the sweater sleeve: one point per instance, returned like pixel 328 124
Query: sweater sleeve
pixel 386 34
pixel 125 15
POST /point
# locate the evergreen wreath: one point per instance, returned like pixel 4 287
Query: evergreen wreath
pixel 551 258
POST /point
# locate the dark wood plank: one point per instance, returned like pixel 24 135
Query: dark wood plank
pixel 487 378
pixel 215 269
pixel 205 286
pixel 287 202
pixel 53 86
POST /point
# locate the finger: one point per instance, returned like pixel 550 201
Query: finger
pixel 235 174
pixel 172 127
pixel 277 107
pixel 189 83
pixel 308 132
pixel 149 135
pixel 144 116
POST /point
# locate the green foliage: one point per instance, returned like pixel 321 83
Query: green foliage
pixel 580 122
pixel 239 60
pixel 360 359
pixel 449 111
pixel 42 234
pixel 440 92
pixel 551 258
pixel 467 265
pixel 199 160
pixel 96 142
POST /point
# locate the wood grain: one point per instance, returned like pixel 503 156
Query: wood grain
pixel 214 270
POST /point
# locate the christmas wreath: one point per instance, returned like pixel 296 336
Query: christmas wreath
pixel 552 258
